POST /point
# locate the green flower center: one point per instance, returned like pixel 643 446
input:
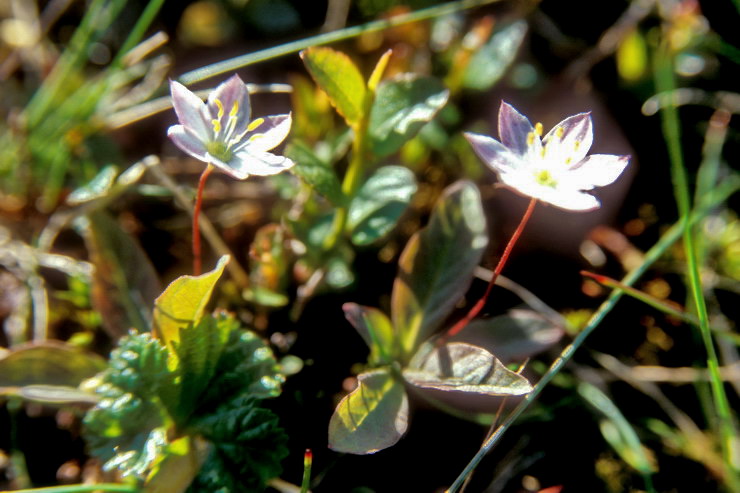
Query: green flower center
pixel 219 150
pixel 545 178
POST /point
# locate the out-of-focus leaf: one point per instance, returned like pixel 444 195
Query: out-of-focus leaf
pixel 373 417
pixel 379 203
pixel 375 328
pixel 401 107
pixel 514 336
pixel 96 188
pixel 175 469
pixel 377 75
pixel 270 260
pixel 340 79
pixel 462 367
pixel 51 395
pixel 48 363
pixel 436 267
pixel 490 63
pixel 121 293
pixel 339 272
pixel 315 172
pixel 617 431
pixel 265 297
pixel 183 303
pixel 632 56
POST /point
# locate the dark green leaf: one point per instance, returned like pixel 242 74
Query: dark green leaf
pixel 490 63
pixel 402 106
pixel 340 79
pixel 461 367
pixel 373 417
pixel 514 336
pixel 379 203
pixel 315 172
pixel 436 267
pixel 121 294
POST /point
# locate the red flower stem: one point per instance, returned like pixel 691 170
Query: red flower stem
pixel 196 215
pixel 460 325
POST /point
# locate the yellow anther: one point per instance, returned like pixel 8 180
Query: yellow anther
pixel 538 129
pixel 559 132
pixel 576 145
pixel 220 108
pixel 234 109
pixel 530 138
pixel 568 160
pixel 255 123
pixel 216 125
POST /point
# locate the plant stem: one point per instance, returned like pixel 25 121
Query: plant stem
pixel 307 462
pixel 197 262
pixel 672 133
pixel 461 324
pixel 657 250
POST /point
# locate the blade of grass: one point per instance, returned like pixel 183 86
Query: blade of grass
pixel 665 82
pixel 657 250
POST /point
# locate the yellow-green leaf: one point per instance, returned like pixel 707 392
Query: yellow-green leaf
pixel 340 79
pixel 183 302
pixel 378 71
pixel 375 328
pixel 632 57
pixel 373 417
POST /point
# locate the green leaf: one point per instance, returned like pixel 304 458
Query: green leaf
pixel 490 63
pixel 401 107
pixel 96 188
pixel 462 367
pixel 176 468
pixel 48 363
pixel 247 446
pixel 373 417
pixel 340 79
pixel 315 172
pixel 515 336
pixel 121 294
pixel 183 303
pixel 379 203
pixel 51 395
pixel 375 328
pixel 436 267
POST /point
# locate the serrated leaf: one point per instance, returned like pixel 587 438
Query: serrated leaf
pixel 373 417
pixel 462 367
pixel 401 107
pixel 340 79
pixel 48 363
pixel 436 267
pixel 375 328
pixel 379 203
pixel 121 294
pixel 490 63
pixel 183 303
pixel 515 336
pixel 316 173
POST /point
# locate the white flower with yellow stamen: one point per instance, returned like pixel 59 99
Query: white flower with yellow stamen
pixel 219 132
pixel 553 169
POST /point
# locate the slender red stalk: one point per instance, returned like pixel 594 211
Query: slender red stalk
pixel 460 325
pixel 196 215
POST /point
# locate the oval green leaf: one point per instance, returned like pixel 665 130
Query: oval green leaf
pixel 379 203
pixel 490 63
pixel 401 107
pixel 48 363
pixel 183 302
pixel 315 172
pixel 375 328
pixel 436 267
pixel 373 417
pixel 340 79
pixel 462 367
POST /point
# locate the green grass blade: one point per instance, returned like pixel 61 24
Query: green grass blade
pixel 664 79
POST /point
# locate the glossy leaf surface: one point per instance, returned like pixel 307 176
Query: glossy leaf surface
pixel 375 328
pixel 490 63
pixel 373 417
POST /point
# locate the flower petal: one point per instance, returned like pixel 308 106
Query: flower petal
pixel 268 134
pixel 187 141
pixel 597 170
pixel 514 129
pixel 233 96
pixel 259 163
pixel 496 155
pixel 570 140
pixel 191 111
pixel 572 200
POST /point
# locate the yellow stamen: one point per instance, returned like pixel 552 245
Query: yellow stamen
pixel 255 123
pixel 220 108
pixel 530 138
pixel 538 129
pixel 216 125
pixel 576 145
pixel 559 132
pixel 234 109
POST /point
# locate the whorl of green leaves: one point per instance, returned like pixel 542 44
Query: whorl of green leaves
pixel 209 385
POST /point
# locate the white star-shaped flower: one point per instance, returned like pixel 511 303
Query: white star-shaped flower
pixel 554 169
pixel 220 132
